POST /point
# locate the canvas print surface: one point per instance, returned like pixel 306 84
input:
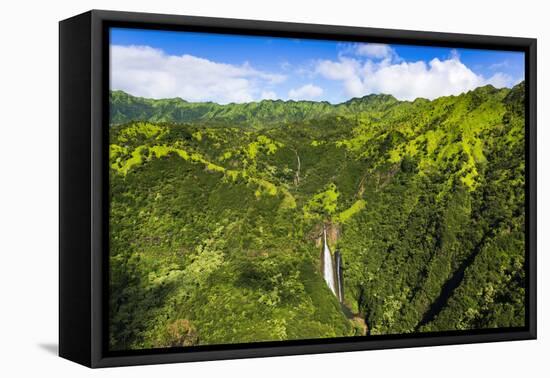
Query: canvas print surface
pixel 273 189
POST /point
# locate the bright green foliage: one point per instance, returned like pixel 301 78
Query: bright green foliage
pixel 126 108
pixel 216 212
pixel 322 205
pixel 353 209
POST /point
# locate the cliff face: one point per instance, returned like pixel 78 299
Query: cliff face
pixel 334 231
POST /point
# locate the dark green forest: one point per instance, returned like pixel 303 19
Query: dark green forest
pixel 217 215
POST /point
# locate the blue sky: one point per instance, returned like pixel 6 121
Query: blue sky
pixel 229 68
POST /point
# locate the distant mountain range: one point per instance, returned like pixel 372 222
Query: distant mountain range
pixel 126 108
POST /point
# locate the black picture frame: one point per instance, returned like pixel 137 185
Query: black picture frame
pixel 83 183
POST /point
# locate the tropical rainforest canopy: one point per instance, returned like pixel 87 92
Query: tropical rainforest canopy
pixel 217 214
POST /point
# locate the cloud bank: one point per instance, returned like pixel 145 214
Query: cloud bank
pixel 305 92
pixel 357 69
pixel 384 72
pixel 148 72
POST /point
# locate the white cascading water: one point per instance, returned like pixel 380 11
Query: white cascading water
pixel 328 272
pixel 339 277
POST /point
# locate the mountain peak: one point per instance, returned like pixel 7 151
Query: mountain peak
pixel 373 97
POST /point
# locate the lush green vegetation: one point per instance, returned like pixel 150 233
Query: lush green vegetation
pixel 217 214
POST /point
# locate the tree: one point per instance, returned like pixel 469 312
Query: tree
pixel 322 205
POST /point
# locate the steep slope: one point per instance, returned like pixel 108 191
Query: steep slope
pixel 216 226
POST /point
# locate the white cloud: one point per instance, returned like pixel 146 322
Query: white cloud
pixel 305 92
pixel 501 80
pixel 374 50
pixel 361 68
pixel 268 95
pixel 346 70
pixel 454 54
pixel 148 72
pixel 285 66
pixel 407 80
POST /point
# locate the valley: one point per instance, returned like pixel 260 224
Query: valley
pixel 224 219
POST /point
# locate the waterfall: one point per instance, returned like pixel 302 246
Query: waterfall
pixel 328 271
pixel 339 275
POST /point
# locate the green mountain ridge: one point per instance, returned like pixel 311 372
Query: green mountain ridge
pixel 217 212
pixel 126 108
